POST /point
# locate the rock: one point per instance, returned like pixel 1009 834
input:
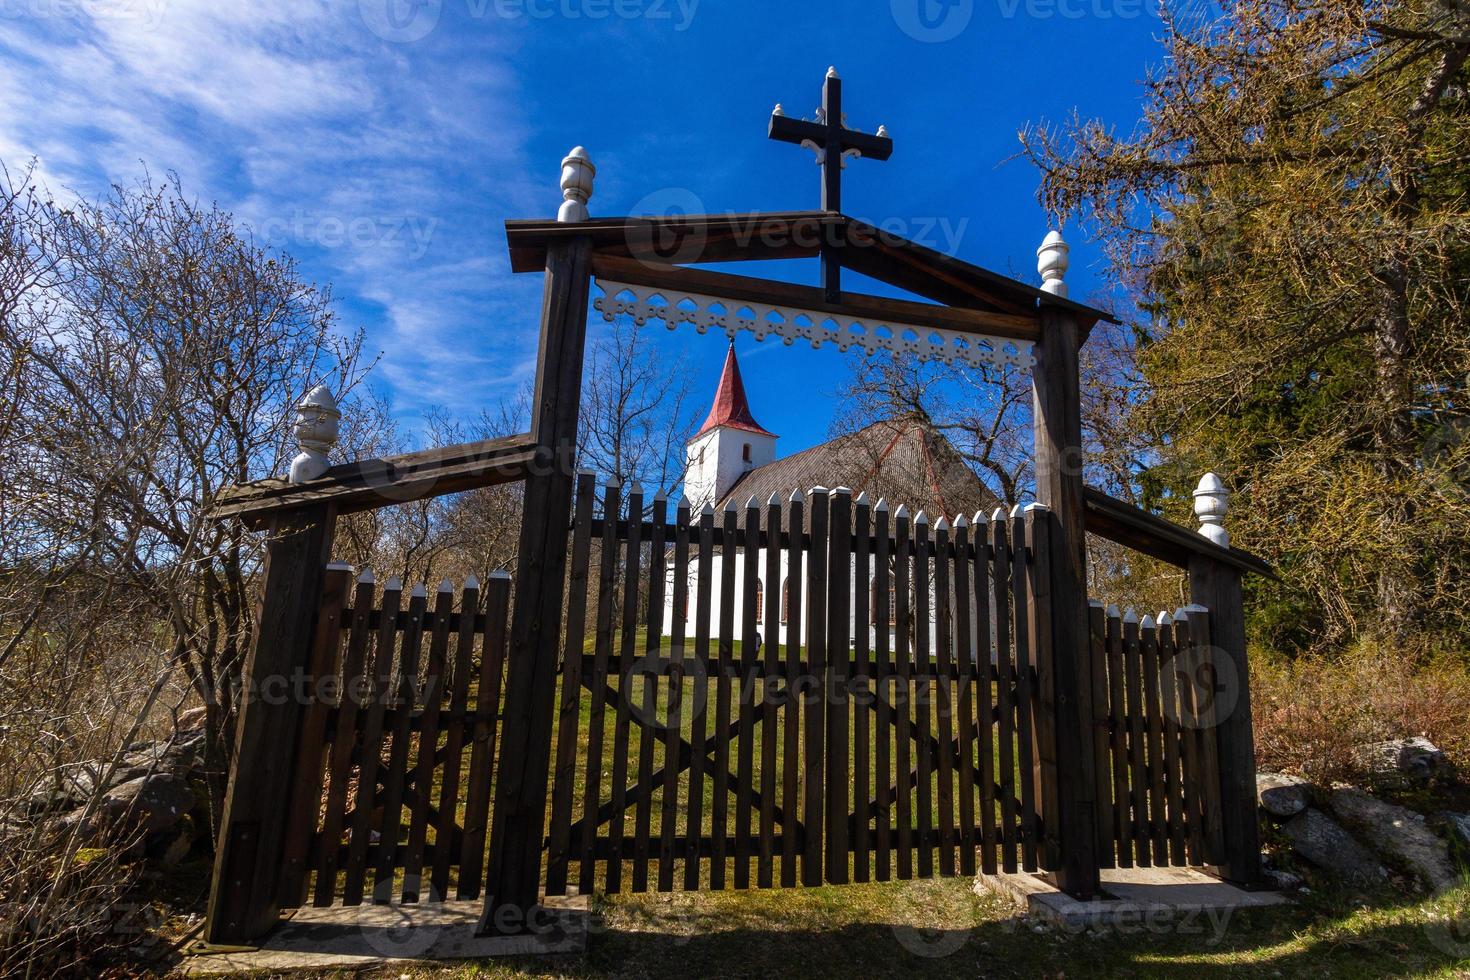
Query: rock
pixel 174 845
pixel 146 805
pixel 192 720
pixel 1415 760
pixel 1399 833
pixel 1317 838
pixel 1284 880
pixel 1281 795
pixel 1458 827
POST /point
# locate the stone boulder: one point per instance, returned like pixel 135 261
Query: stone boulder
pixel 149 805
pixel 1399 833
pixel 1316 837
pixel 1282 796
pixel 1457 826
pixel 1406 760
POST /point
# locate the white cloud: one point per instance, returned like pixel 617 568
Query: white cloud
pixel 385 167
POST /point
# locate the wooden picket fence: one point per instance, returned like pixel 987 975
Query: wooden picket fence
pixel 398 762
pixel 1155 687
pixel 693 761
pixel 809 761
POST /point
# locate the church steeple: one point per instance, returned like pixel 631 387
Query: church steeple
pixel 729 444
pixel 731 407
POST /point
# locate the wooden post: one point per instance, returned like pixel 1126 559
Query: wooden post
pixel 244 897
pixel 519 814
pixel 1058 432
pixel 1216 587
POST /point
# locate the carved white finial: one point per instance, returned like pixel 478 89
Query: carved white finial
pixel 1052 263
pixel 883 131
pixel 779 110
pixel 832 72
pixel 1211 504
pixel 316 432
pixel 577 172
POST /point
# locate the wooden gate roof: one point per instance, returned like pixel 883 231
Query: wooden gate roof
pixel 678 240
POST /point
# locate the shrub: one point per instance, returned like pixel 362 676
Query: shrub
pixel 1314 713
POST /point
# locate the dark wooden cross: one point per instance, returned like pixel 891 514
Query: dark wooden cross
pixel 833 143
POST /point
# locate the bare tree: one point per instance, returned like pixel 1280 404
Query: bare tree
pixel 634 422
pixel 153 354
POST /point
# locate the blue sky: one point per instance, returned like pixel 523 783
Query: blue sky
pixel 384 142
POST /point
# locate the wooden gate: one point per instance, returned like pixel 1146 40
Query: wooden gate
pixel 398 744
pixel 889 721
pixel 886 722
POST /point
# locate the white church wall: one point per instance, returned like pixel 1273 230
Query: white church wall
pixel 774 615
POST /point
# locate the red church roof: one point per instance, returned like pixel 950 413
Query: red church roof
pixel 731 408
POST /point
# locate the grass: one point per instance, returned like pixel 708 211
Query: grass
pixel 941 928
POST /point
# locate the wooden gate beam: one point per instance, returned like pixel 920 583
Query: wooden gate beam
pixel 1065 669
pixel 244 895
pixel 513 875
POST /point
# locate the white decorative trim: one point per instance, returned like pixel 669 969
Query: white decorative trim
pixel 764 320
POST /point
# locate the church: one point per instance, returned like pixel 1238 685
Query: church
pixel 901 463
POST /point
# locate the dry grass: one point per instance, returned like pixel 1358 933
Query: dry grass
pixel 1312 714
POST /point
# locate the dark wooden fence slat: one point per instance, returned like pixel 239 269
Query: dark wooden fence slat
pixel 424 766
pixel 1157 813
pixel 750 586
pixel 984 692
pixel 1137 769
pixel 965 653
pixel 698 718
pixel 719 815
pixel 1006 687
pixel 628 647
pixel 883 617
pixel 903 818
pixel 558 833
pixel 390 825
pixel 597 713
pixel 771 632
pixel 923 698
pixel 648 704
pixel 459 694
pixel 486 732
pixel 789 600
pixel 356 691
pixel 674 704
pixel 1173 778
pixel 1023 597
pixel 860 688
pixel 369 760
pixel 838 774
pixel 1118 740
pixel 944 697
pixel 813 715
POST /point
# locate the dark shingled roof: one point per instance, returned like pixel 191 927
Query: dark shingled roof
pixel 902 461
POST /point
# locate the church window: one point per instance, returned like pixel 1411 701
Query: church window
pixel 746 452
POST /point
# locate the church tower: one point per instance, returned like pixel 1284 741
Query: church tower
pixel 730 444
